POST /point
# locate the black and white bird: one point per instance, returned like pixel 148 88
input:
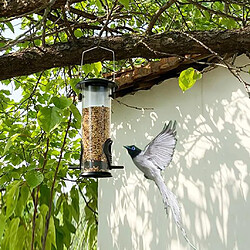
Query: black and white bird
pixel 152 160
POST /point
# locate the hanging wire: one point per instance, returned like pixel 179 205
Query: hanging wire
pixel 97 47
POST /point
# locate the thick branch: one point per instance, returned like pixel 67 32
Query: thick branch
pixel 130 46
pixel 17 8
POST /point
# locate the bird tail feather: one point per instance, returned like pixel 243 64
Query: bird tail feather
pixel 170 201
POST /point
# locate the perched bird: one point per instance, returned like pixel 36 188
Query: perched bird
pixel 152 160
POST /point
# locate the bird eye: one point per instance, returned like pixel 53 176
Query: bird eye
pixel 133 148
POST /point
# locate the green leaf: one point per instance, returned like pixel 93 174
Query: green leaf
pixel 3 179
pixel 9 24
pixel 99 5
pixel 75 209
pixel 87 68
pixel 188 78
pixel 97 67
pixel 70 227
pixel 20 238
pixel 59 239
pixel 45 194
pixel 77 115
pixel 40 222
pixel 73 82
pixel 197 75
pixel 11 198
pixel 10 235
pixel 10 142
pixel 13 233
pixel 51 237
pixel 22 200
pixel 49 118
pixel 44 209
pixel 31 166
pixel 66 211
pixel 34 178
pixel 5 91
pixel 94 68
pixel 78 33
pixel 8 145
pixel 2 225
pixel 66 236
pixel 59 234
pixel 125 3
pixel 58 204
pixel 61 102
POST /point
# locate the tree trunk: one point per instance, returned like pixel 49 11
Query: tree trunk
pixel 130 46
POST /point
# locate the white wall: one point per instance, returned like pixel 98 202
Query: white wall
pixel 210 172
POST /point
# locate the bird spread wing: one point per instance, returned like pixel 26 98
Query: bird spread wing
pixel 161 149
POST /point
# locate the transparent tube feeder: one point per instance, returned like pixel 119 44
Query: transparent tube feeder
pixel 96 157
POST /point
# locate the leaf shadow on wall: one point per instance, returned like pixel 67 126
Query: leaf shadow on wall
pixel 208 174
pixel 218 186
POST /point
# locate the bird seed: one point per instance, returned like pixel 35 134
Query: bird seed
pixel 95 131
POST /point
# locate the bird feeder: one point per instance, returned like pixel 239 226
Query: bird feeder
pixel 96 156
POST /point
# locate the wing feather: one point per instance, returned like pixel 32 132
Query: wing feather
pixel 161 149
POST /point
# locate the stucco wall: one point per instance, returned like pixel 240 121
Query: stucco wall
pixel 210 171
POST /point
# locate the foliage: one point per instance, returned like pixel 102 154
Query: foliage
pixel 39 131
pixel 188 78
pixel 39 142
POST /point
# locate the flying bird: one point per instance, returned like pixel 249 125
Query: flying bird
pixel 155 157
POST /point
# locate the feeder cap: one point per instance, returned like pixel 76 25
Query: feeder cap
pixel 95 82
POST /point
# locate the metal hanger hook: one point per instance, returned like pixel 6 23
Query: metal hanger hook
pixel 99 47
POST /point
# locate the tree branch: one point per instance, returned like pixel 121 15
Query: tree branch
pixel 87 203
pixel 88 206
pixel 45 155
pixel 20 8
pixel 107 21
pixel 215 12
pixel 53 185
pixel 133 107
pixel 31 94
pixel 34 59
pixel 157 15
pixel 70 32
pixel 228 66
pixel 83 13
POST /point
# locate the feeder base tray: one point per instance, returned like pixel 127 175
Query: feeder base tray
pixel 95 175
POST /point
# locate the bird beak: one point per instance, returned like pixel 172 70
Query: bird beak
pixel 127 147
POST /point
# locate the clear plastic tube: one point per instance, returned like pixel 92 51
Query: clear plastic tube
pixel 96 114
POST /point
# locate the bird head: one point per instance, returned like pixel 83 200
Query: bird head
pixel 133 150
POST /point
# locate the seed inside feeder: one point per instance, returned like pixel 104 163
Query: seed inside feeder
pixel 95 131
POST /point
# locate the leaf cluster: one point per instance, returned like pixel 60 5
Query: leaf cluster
pixel 39 142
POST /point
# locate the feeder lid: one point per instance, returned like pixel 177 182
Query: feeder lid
pixel 95 82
